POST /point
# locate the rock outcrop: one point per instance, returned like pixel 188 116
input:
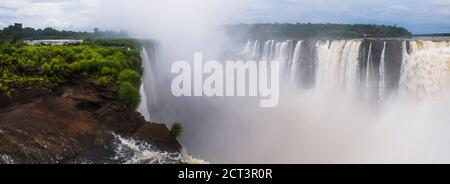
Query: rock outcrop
pixel 71 123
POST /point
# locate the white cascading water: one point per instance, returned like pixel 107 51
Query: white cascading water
pixel 281 51
pixel 295 62
pixel 329 128
pixel 148 94
pixel 337 64
pixel 367 81
pixel 143 105
pixel 426 70
pixel 349 64
pixel 404 69
pixel 423 70
pixel 328 55
pixel 267 51
pixel 130 151
pixel 392 131
pixel 382 70
pixel 337 60
pixel 247 47
pixel 256 49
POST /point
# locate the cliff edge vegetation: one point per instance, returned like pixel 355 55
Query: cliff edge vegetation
pixel 117 68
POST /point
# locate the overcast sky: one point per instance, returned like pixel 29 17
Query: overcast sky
pixel 419 16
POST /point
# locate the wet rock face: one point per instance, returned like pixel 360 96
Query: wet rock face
pixel 308 63
pixel 74 125
pixel 393 63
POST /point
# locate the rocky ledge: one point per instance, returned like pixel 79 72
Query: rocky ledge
pixel 73 123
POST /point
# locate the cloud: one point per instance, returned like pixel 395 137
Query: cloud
pixel 64 14
pixel 85 14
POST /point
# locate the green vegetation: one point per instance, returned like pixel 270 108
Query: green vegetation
pixel 433 35
pixel 114 67
pixel 112 42
pixel 176 130
pixel 301 31
pixel 130 76
pixel 15 33
pixel 129 94
pixel 104 81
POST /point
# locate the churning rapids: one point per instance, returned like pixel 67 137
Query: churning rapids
pixel 341 101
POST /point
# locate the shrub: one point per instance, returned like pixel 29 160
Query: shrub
pixel 22 63
pixel 176 130
pixel 130 76
pixel 129 94
pixel 108 71
pixel 105 70
pixel 46 69
pixel 86 65
pixel 75 67
pixel 103 81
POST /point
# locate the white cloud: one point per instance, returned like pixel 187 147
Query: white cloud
pixel 115 14
pixel 64 14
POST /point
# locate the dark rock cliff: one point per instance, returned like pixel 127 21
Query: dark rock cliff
pixel 72 123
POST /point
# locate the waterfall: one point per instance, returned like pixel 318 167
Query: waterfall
pixel 247 48
pixel 337 64
pixel 266 50
pixel 368 67
pixel 419 68
pixel 143 105
pixel 148 86
pixel 295 62
pixel 256 50
pixel 270 51
pixel 425 71
pixel 382 70
pixel 282 53
pixel 404 60
pixel 378 68
pixel 349 64
pixel 267 54
pixel 131 151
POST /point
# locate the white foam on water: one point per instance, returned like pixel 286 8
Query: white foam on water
pixel 131 151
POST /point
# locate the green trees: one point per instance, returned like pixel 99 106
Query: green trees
pixel 15 33
pixel 130 76
pixel 176 130
pixel 129 94
pixel 108 71
pixel 130 82
pixel 103 81
pixel 107 66
pixel 304 31
pixel 46 69
pixel 113 42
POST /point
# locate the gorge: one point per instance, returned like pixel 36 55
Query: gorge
pixel 339 100
pixel 366 100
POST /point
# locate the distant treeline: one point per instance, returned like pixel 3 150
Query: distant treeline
pixel 16 32
pixel 433 35
pixel 308 30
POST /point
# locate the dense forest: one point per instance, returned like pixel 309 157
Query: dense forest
pixel 302 31
pixel 104 57
pixel 16 32
pixel 110 63
pixel 114 68
pixel 433 35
